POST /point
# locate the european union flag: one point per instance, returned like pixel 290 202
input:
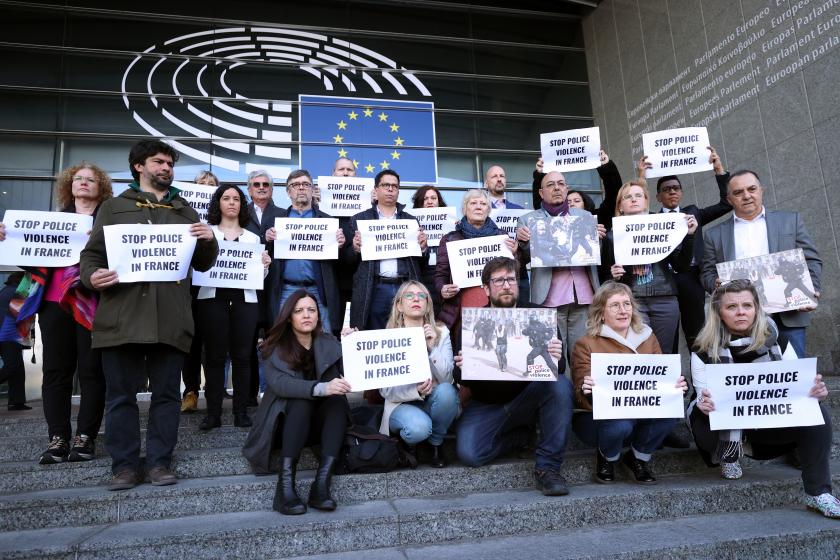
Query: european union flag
pixel 376 134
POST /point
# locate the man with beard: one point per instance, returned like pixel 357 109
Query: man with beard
pixel 143 328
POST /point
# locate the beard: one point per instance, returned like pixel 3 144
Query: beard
pixel 504 299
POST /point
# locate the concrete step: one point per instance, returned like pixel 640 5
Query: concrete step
pixel 411 522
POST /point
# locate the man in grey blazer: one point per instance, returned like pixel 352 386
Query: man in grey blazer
pixel 755 231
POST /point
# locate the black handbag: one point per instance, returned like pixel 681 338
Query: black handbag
pixel 367 451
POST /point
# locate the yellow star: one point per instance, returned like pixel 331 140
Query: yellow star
pixel 355 164
pixel 384 165
pixel 398 141
pixel 342 153
pixel 383 117
pixel 395 154
pixel 368 112
pixel 353 115
pixel 341 125
pixel 369 168
pixel 338 139
pixel 395 127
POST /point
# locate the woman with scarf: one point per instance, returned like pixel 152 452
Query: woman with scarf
pixel 66 316
pixel 737 331
pixel 475 223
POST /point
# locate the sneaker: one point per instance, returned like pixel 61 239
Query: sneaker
pixel 56 452
pixel 190 402
pixel 124 480
pixel 731 471
pixel 551 483
pixel 161 476
pixel 640 469
pixel 825 504
pixel 83 448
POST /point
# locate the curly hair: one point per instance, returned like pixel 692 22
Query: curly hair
pixel 64 184
pixel 214 210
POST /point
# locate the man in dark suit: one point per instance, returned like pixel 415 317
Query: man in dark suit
pixel 754 231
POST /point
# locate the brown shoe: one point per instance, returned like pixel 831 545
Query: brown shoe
pixel 190 402
pixel 124 480
pixel 161 476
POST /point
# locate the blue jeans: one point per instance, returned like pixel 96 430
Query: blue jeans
pixel 289 289
pixel 430 419
pixel 486 431
pixel 380 305
pixel 645 436
pixel 794 336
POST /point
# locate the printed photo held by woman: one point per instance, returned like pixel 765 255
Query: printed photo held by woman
pixel 614 326
pixel 737 331
pixel 304 403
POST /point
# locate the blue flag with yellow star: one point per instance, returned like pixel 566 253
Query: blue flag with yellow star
pixel 376 134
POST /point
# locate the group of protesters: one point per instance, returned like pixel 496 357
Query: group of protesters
pixel 283 342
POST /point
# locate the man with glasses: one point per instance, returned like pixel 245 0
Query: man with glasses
pixel 376 282
pixel 261 209
pixel 500 415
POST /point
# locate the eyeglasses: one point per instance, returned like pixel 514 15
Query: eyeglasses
pixel 671 188
pixel 304 185
pixel 554 184
pixel 623 305
pixel 81 179
pixel 629 196
pixel 259 184
pixel 499 282
pixel 388 186
pixel 411 295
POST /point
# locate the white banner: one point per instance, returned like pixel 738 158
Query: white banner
pixel 647 238
pixel 385 358
pixel 571 150
pixel 436 222
pixel 44 238
pixel 506 219
pixel 468 256
pixel 198 196
pixel 149 252
pixel 636 386
pixel 763 395
pixel 306 238
pixel 389 239
pixel 344 196
pixel 677 151
pixel 239 265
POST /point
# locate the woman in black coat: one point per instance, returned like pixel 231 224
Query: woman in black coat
pixel 304 403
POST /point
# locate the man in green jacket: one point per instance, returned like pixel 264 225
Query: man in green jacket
pixel 144 328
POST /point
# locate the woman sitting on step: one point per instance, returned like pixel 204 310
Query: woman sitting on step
pixel 738 331
pixel 304 403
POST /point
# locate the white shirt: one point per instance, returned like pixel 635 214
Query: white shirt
pixel 667 210
pixel 388 268
pixel 258 211
pixel 750 236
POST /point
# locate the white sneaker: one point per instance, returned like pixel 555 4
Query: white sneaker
pixel 731 471
pixel 825 504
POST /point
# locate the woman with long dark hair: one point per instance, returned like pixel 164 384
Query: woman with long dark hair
pixel 228 316
pixel 304 403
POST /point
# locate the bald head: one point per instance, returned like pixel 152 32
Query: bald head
pixel 495 181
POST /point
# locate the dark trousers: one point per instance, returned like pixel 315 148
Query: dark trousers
pixel 228 326
pixel 309 422
pixel 14 372
pixel 191 374
pixel 66 351
pixel 380 305
pixel 813 443
pixel 127 368
pixel 692 300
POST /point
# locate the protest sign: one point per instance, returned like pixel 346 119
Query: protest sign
pixel 344 196
pixel 677 151
pixel 647 238
pixel 763 395
pixel 306 238
pixel 149 252
pixel 239 265
pixel 507 218
pixel 385 358
pixel 468 256
pixel 571 150
pixel 198 196
pixel 781 279
pixel 508 344
pixel 564 241
pixel 389 239
pixel 436 222
pixel 44 238
pixel 636 386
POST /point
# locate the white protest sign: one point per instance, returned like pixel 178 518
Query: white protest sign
pixel 571 150
pixel 677 151
pixel 344 196
pixel 149 252
pixel 239 265
pixel 198 196
pixel 507 218
pixel 647 238
pixel 389 239
pixel 385 358
pixel 436 222
pixel 636 386
pixel 763 395
pixel 306 238
pixel 468 256
pixel 44 238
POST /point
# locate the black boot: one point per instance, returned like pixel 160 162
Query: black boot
pixel 319 493
pixel 286 500
pixel 437 459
